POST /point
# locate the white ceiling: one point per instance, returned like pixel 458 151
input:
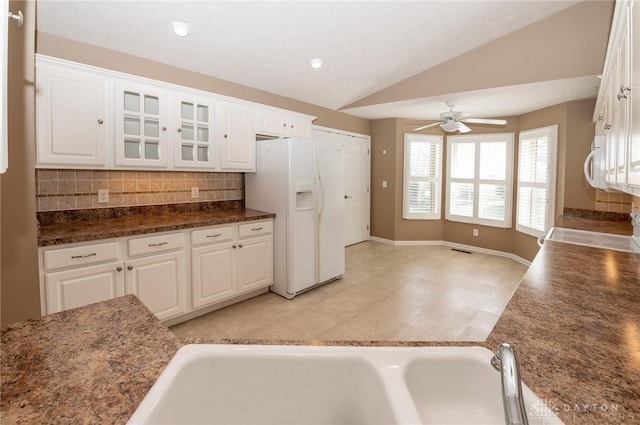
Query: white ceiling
pixel 366 46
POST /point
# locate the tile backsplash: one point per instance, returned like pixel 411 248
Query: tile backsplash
pixel 59 190
pixel 613 201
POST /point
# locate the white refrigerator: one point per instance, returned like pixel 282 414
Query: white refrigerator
pixel 302 182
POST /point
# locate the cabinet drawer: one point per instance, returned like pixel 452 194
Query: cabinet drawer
pixel 153 244
pixel 216 234
pixel 254 229
pixel 80 255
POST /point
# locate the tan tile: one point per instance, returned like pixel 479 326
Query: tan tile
pixel 84 175
pixel 85 201
pixel 66 174
pixel 143 185
pixel 155 185
pixel 143 199
pixel 129 199
pixel 115 175
pixel 46 187
pixel 48 204
pixel 100 175
pixel 46 174
pixel 129 186
pixel 99 184
pixel 115 186
pixel 84 186
pixel 66 187
pixel 67 202
pixel 156 198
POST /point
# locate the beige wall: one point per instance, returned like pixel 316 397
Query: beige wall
pixel 575 133
pixel 19 262
pixel 109 59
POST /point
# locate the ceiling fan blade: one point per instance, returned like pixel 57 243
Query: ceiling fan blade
pixel 460 115
pixel 463 128
pixel 427 126
pixel 484 121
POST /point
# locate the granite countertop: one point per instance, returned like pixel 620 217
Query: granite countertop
pixel 574 320
pixel 596 225
pixel 92 364
pixel 113 227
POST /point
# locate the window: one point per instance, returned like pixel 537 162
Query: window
pixel 479 179
pixel 422 177
pixel 536 180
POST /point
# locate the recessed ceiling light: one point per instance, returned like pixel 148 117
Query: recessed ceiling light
pixel 316 63
pixel 180 28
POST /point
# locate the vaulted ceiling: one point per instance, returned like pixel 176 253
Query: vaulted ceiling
pixel 381 58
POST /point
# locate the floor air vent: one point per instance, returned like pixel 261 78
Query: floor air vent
pixel 461 250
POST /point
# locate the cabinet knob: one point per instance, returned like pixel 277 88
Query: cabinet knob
pixel 119 268
pixel 621 96
pixel 291 125
pixel 129 267
pixel 606 126
pixel 225 136
pixel 100 121
pixel 234 247
pixel 624 88
pixel 164 128
pixel 179 130
pixel 284 124
pixel 240 246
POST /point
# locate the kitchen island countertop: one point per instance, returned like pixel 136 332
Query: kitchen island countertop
pixel 574 320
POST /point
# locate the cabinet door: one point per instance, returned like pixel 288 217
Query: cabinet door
pixel 82 286
pixel 634 95
pixel 255 263
pixel 141 125
pixel 300 127
pixel 194 132
pixel 71 118
pixel 621 76
pixel 212 273
pixel 159 281
pixel 238 143
pixel 272 123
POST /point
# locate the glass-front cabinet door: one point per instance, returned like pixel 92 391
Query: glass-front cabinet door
pixel 141 125
pixel 194 118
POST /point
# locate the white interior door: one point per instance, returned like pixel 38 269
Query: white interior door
pixel 357 196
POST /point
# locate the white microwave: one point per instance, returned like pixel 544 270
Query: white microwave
pixel 594 165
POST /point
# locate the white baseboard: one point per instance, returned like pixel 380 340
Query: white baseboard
pixel 454 245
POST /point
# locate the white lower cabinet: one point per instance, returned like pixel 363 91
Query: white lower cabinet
pixel 231 263
pixel 171 273
pixel 82 286
pixel 212 274
pixel 159 282
pixel 255 263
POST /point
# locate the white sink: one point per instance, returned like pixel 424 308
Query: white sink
pixel 256 384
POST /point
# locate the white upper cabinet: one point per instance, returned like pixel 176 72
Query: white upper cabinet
pixel 71 118
pixel 90 117
pixel 141 125
pixel 275 122
pixel 194 119
pixel 238 142
pixel 634 95
pixel 618 104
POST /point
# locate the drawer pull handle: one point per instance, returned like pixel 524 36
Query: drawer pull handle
pixel 256 229
pixel 158 244
pixel 93 254
pixel 217 235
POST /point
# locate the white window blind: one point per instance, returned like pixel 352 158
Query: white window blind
pixel 479 179
pixel 536 180
pixel 422 177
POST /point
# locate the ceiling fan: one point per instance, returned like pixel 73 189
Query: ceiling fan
pixel 451 120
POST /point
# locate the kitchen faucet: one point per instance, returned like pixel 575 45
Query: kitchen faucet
pixel 505 361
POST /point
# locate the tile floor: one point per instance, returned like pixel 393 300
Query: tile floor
pixel 393 293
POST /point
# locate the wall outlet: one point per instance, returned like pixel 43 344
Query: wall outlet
pixel 195 193
pixel 384 183
pixel 475 232
pixel 103 196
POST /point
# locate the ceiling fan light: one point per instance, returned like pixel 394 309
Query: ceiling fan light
pixel 449 126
